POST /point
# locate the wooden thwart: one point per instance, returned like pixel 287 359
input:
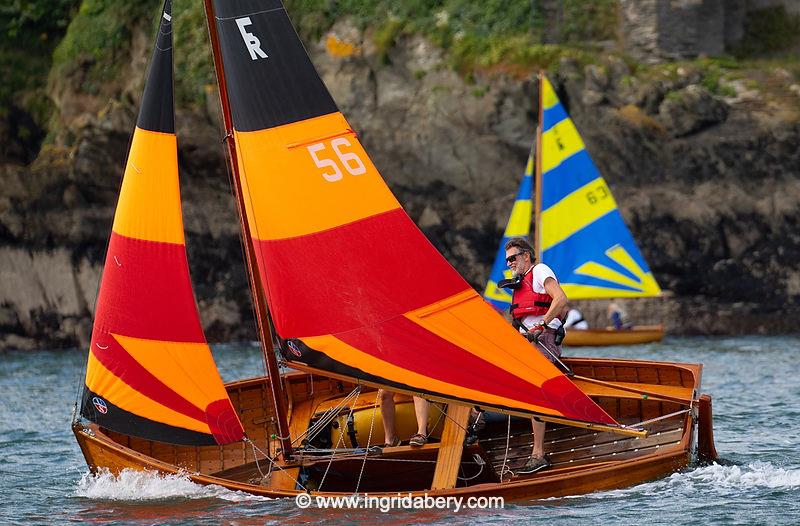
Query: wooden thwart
pixel 451 447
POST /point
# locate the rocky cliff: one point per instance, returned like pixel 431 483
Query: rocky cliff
pixel 706 173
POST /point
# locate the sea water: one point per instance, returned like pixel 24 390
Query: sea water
pixel 754 382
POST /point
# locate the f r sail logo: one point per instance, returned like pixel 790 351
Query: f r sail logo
pixel 250 40
pixel 100 405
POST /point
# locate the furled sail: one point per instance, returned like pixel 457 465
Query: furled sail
pixel 150 372
pixel 354 288
pixel 519 224
pixel 582 235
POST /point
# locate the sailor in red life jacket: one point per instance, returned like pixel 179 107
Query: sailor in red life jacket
pixel 537 301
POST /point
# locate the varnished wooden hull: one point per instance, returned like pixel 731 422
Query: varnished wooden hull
pixel 602 337
pixel 583 461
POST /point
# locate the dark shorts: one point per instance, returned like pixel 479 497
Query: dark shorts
pixel 548 339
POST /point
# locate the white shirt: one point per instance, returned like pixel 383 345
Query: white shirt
pixel 540 273
pixel 573 316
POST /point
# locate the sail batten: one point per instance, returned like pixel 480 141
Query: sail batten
pixel 354 288
pixel 150 372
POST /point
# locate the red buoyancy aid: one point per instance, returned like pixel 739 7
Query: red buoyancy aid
pixel 526 302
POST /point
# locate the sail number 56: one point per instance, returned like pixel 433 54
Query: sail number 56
pixel 332 169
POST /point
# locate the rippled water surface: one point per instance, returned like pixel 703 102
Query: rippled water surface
pixel 754 382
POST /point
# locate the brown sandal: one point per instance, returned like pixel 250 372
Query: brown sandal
pixel 395 443
pixel 418 440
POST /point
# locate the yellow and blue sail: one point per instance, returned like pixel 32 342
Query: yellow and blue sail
pixel 519 224
pixel 583 237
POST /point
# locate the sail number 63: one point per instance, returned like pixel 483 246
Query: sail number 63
pixel 598 194
pixel 332 169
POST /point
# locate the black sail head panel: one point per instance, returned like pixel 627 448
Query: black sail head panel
pixel 157 111
pixel 270 79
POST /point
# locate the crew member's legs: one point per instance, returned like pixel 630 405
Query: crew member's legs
pixel 538 460
pixel 421 411
pixel 538 438
pixel 421 407
pixel 387 415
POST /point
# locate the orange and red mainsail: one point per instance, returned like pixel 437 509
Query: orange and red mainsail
pixel 150 372
pixel 354 288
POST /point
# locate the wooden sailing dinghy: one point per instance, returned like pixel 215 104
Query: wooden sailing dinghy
pixel 609 336
pixel 336 274
pixel 579 231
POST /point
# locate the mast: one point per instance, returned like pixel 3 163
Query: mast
pixel 259 302
pixel 537 215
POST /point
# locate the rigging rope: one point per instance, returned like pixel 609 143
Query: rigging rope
pixel 338 442
pixel 369 440
pixel 442 411
pixel 441 414
pixel 272 464
pixel 479 461
pixel 504 470
pixel 327 417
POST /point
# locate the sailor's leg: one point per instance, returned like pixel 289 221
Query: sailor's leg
pixel 538 439
pixel 387 415
pixel 537 461
pixel 421 407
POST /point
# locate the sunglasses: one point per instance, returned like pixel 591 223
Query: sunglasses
pixel 512 257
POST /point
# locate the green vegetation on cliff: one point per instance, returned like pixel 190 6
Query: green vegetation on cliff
pixel 475 34
pixel 30 30
pixel 506 35
pixel 99 38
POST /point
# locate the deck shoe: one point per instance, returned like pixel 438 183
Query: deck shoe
pixel 418 440
pixel 534 464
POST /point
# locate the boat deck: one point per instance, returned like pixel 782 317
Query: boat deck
pixel 572 447
pixel 566 447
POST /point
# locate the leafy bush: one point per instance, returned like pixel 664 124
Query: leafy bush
pixel 99 36
pixel 194 68
pixel 30 30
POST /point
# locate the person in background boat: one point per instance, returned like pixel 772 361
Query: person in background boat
pixel 573 319
pixel 421 407
pixel 536 304
pixel 618 317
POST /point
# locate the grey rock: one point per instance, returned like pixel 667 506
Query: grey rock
pixel 690 110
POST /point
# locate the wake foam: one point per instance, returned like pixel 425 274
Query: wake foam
pixel 752 476
pixel 132 485
pixel 716 478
